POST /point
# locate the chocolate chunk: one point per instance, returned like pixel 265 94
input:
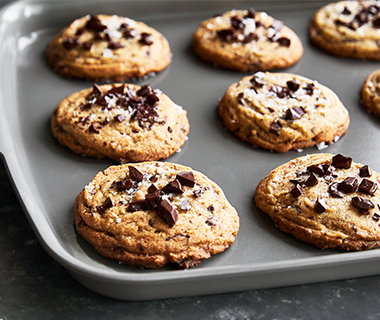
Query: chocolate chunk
pixel 341 162
pixel 139 205
pixel 365 171
pixel 237 23
pixel 152 189
pixel 95 24
pixel 96 92
pixel 240 98
pixel 93 129
pixel 309 88
pixel 186 178
pixel 153 178
pixel 362 203
pixel 227 34
pixel 151 99
pixel 70 43
pixel 146 39
pixel 116 91
pixel 317 169
pixel 348 185
pixel 275 127
pixel 130 33
pixel 284 42
pixel 368 187
pixel 144 90
pixel 212 221
pixel 320 205
pixel 256 81
pixel 251 13
pixel 376 23
pixel 296 191
pixel 167 212
pixel 106 205
pixel 346 11
pixel 376 217
pixel 173 187
pixel 280 91
pixel 125 184
pixel 293 85
pixel 87 45
pixel 135 174
pixel 119 118
pixel 198 193
pixel 113 45
pixel 185 206
pixel 312 180
pixel 334 192
pixel 153 198
pixel 294 113
pixel 251 37
pixel 211 208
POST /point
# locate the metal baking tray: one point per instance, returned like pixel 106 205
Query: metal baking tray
pixel 47 177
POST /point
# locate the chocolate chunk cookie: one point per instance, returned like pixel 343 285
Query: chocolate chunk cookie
pixel 348 29
pixel 108 47
pixel 324 200
pixel 370 92
pixel 153 213
pixel 281 111
pixel 246 40
pixel 124 122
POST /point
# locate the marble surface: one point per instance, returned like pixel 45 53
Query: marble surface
pixel 34 286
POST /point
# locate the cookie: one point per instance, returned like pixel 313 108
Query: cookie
pixel 370 93
pixel 245 40
pixel 348 29
pixel 324 200
pixel 282 111
pixel 124 122
pixel 103 47
pixel 153 213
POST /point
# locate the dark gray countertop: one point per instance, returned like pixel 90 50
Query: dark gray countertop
pixel 34 286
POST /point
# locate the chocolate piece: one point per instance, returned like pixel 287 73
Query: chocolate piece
pixel 115 45
pixel 333 191
pixel 139 205
pixel 167 212
pixel 309 88
pixel 185 206
pixel 256 81
pixel 292 85
pixel 237 23
pixel 125 184
pixel 87 45
pixel 240 98
pixel 275 127
pixel 154 178
pixel 211 208
pixel 93 129
pixel 144 90
pixel 70 43
pixel 251 13
pixel 312 180
pixel 95 24
pixel 376 217
pixel 296 191
pixel 294 113
pixel 119 118
pixel 152 189
pixel 251 37
pixel 135 174
pixel 284 42
pixel 227 34
pixel 348 185
pixel 341 162
pixel 320 205
pixel 106 205
pixel 198 193
pixel 130 33
pixel 317 169
pixel 362 203
pixel 212 221
pixel 146 39
pixel 154 199
pixel 173 187
pixel 186 178
pixel 346 11
pixel 368 187
pixel 365 171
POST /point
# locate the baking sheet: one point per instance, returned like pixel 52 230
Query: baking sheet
pixel 47 177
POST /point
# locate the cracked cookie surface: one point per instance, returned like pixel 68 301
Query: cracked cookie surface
pixel 153 213
pixel 102 47
pixel 324 200
pixel 124 122
pixel 246 40
pixel 282 111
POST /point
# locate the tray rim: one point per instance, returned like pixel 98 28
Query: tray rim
pixel 78 267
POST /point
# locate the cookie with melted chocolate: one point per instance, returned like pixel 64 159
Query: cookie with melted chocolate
pixel 124 122
pixel 341 210
pixel 245 40
pixel 103 47
pixel 282 112
pixel 348 29
pixel 370 93
pixel 154 213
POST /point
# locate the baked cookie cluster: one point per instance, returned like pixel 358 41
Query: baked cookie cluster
pixel 153 213
pixel 124 122
pixel 101 47
pixel 324 200
pixel 246 40
pixel 281 111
